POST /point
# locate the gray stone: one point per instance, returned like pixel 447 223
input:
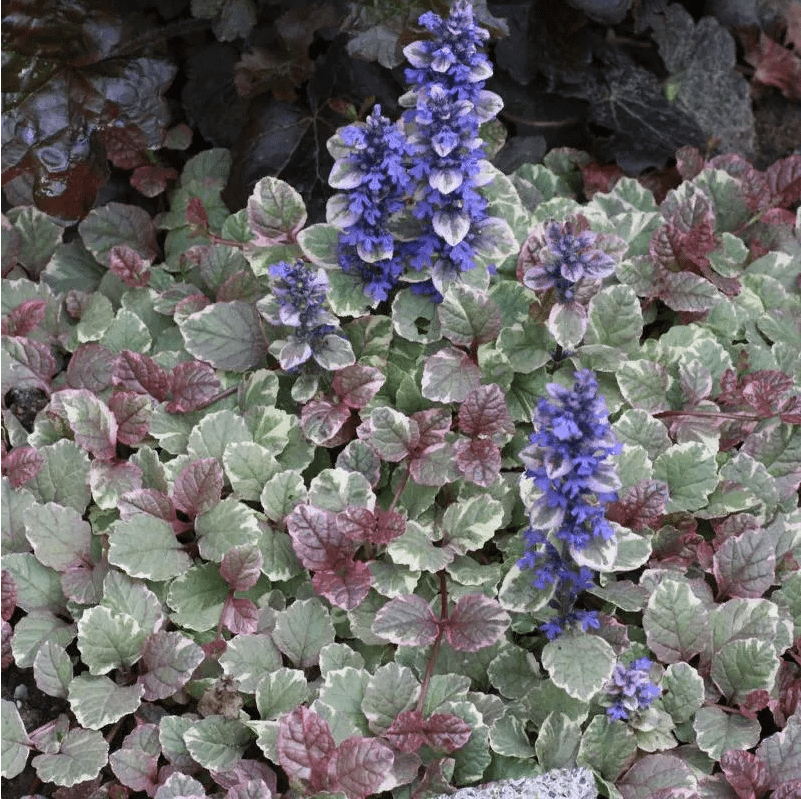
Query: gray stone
pixel 575 783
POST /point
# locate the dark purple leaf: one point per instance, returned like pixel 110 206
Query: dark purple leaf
pixel 484 413
pixel 406 732
pixel 476 622
pixel 192 385
pixel 241 616
pixel 446 732
pixel 639 505
pixel 141 374
pixel 359 766
pixel 784 179
pixel 479 460
pixel 196 215
pixel 132 412
pixel 433 424
pixel 317 539
pixel 764 389
pixel 305 746
pixel 347 586
pixel 22 464
pixel 322 419
pixel 407 620
pixel 746 773
pixel 24 318
pixel 8 595
pixel 198 487
pixel 241 567
pixel 152 180
pixel 378 527
pixel 91 367
pixel 356 385
pixel 127 264
pixel 125 146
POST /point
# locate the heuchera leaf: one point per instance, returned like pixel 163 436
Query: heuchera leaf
pixel 359 766
pixel 356 385
pixel 304 747
pixel 198 487
pixel 192 385
pixel 476 622
pixel 141 374
pixel 22 464
pixel 407 620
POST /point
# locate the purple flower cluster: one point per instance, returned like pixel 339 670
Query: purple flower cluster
pixel 446 105
pixel 559 256
pixel 630 690
pixel 567 462
pixel 371 169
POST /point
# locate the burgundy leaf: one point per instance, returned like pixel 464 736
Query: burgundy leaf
pixel 141 374
pixel 30 364
pixel 241 567
pixel 378 527
pixel 346 587
pixel 322 419
pixel 476 622
pixel 150 501
pixel 132 412
pixel 479 460
pixel 192 384
pixel 196 213
pixel 763 390
pixel 784 179
pixel 484 413
pixel 127 264
pixel 24 318
pixel 791 411
pixel 446 732
pixel 639 505
pixel 125 146
pixel 787 790
pixel 689 162
pixel 317 540
pixel 407 620
pixel 356 385
pixel 433 424
pixel 6 653
pixel 198 487
pixel 152 180
pixel 189 305
pixel 305 745
pixel 754 183
pixel 359 766
pixel 241 616
pixel 746 773
pixel 22 464
pixel 244 771
pixel 8 589
pixel 76 302
pixel 92 367
pixel 775 66
pixel 406 731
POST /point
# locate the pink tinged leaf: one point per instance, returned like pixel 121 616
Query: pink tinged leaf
pixel 247 770
pixel 83 583
pixel 316 538
pixel 22 464
pixel 405 734
pixel 691 229
pixel 196 213
pixel 152 180
pixel 356 385
pixel 640 505
pixel 193 384
pixel 305 745
pixel 241 616
pixel 135 763
pixel 198 487
pixel 359 766
pixel 29 363
pixel 141 374
pixel 8 590
pixel 776 66
pixel 127 264
pixel 132 412
pixel 484 413
pixel 92 423
pixel 787 790
pixel 189 305
pixel 322 419
pixel 6 653
pixel 746 773
pixel 113 478
pixel 446 732
pixel 242 285
pixel 476 622
pixel 24 318
pixel 346 587
pixel 745 565
pixel 170 659
pixel 784 179
pixel 379 527
pixel 433 425
pixel 250 789
pixel 791 411
pixel 763 390
pixel 689 162
pixel 150 501
pixel 91 367
pixel 407 620
pixel 241 567
pixel 479 460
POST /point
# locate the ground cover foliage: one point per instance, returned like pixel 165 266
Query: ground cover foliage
pixel 288 511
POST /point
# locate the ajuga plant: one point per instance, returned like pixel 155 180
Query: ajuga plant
pixel 267 529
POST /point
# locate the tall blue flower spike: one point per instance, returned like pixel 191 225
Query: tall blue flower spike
pixel 567 462
pixel 446 105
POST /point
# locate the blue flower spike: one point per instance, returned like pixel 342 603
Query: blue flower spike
pixel 630 690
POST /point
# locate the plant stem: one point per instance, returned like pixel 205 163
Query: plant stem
pixel 432 658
